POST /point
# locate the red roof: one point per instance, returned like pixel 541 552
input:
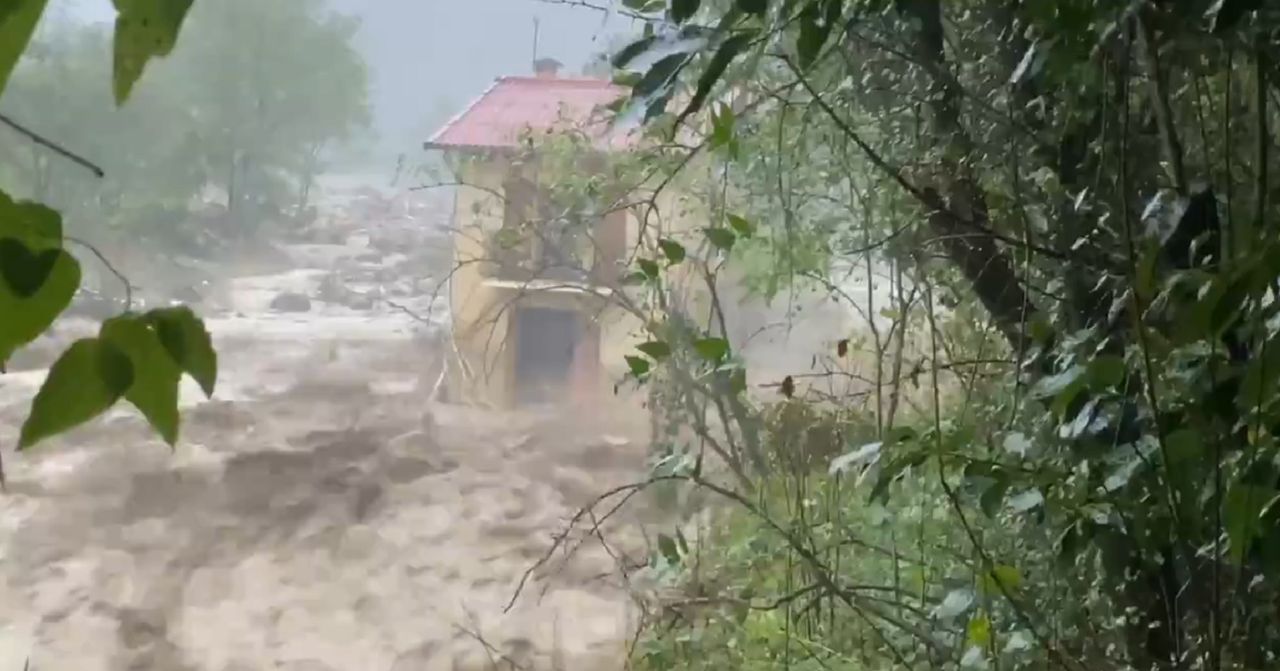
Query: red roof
pixel 513 106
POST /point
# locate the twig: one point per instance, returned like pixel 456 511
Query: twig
pixel 52 146
pixel 128 288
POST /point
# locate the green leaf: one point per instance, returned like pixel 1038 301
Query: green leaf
pixel 639 367
pixel 1000 579
pixel 649 267
pixel 632 51
pixel 145 29
pixel 756 7
pixel 683 10
pixel 711 349
pixel 816 22
pixel 83 383
pixel 1241 511
pixel 1106 372
pixel 25 317
pixel 154 391
pixel 725 54
pixel 655 348
pixel 667 546
pixel 979 630
pixel 34 225
pixel 18 21
pixel 992 497
pixel 23 270
pixel 723 123
pixel 720 238
pixel 671 249
pixel 187 341
pixel 660 74
pixel 738 381
pixel 741 225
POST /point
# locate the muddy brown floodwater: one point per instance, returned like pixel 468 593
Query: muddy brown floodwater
pixel 318 514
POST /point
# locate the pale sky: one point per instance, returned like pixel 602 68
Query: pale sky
pixel 430 56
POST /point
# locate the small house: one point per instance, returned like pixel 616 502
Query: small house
pixel 532 285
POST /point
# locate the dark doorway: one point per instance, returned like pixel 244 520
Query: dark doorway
pixel 545 344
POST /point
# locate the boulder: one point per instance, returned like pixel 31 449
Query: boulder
pixel 290 301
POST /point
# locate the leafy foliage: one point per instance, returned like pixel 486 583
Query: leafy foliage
pixel 1075 204
pixel 136 357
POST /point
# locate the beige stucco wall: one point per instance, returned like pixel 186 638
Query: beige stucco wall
pixel 483 373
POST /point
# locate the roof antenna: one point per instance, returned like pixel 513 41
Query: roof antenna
pixel 535 39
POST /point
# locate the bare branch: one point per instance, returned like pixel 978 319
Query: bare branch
pixel 52 146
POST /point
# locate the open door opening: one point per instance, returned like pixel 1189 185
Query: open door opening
pixel 546 342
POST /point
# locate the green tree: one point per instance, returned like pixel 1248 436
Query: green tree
pixel 277 86
pixel 1082 196
pixel 138 357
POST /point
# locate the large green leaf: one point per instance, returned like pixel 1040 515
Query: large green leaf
pixel 27 315
pixel 154 390
pixel 34 225
pixel 816 22
pixel 711 349
pixel 1241 512
pixel 729 50
pixel 187 340
pixel 673 250
pixel 629 53
pixel 83 383
pixel 144 29
pixel 18 19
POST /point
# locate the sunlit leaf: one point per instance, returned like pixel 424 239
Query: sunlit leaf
pixel 979 630
pixel 145 29
pixel 741 226
pixel 18 21
pixel 1000 579
pixel 84 382
pixel 154 390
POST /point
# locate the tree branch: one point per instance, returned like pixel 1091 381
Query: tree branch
pixel 52 146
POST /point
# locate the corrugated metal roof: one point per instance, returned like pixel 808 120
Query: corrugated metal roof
pixel 512 106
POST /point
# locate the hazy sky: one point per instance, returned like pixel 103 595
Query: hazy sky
pixel 429 58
